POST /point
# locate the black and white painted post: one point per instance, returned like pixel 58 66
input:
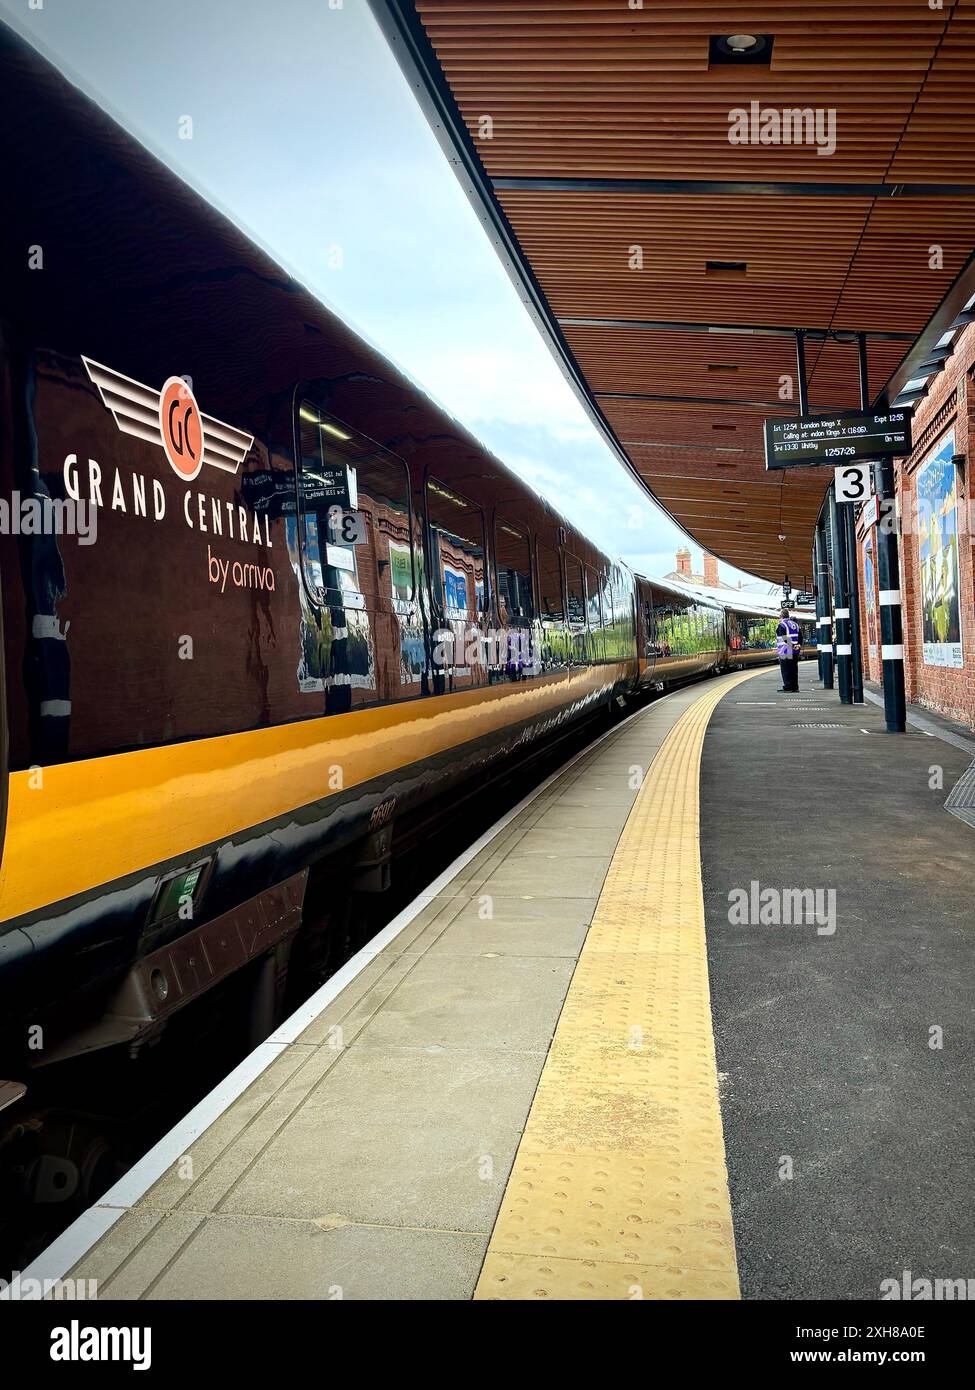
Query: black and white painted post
pixel 853 596
pixel 888 576
pixel 841 601
pixel 891 617
pixel 824 621
pixel 852 555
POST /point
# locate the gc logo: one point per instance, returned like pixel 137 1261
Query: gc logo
pixel 182 428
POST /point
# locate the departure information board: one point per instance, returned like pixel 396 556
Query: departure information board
pixel 834 439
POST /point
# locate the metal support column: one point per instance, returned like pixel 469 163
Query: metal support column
pixel 815 591
pixel 838 543
pixel 824 622
pixel 888 575
pixel 891 622
pixel 841 601
pixel 853 573
pixel 801 372
pixel 852 551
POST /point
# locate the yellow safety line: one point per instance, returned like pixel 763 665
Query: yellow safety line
pixel 619 1188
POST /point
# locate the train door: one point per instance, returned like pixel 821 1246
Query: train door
pixel 552 637
pixel 651 648
pixel 611 624
pixel 515 599
pixel 594 616
pixel 362 638
pixel 575 607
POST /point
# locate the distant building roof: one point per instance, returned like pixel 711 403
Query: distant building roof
pixel 689 578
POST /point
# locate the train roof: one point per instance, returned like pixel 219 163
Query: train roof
pixel 117 288
pixel 705 597
pixel 729 600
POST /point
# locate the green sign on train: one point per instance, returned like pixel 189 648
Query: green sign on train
pixel 834 439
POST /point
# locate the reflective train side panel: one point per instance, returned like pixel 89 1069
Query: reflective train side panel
pixel 679 636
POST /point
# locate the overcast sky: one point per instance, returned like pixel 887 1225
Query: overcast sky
pixel 305 132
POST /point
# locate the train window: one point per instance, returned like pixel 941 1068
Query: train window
pixel 576 607
pixel 671 624
pixel 650 614
pixel 760 633
pixel 594 614
pixel 610 622
pixel 352 539
pixel 323 481
pixel 514 570
pixel 457 545
pixel 624 613
pixel 683 628
pixel 550 605
pixel 343 476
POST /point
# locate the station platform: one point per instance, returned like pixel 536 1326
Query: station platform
pixel 582 1066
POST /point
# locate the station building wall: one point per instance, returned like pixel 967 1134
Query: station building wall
pixel 948 408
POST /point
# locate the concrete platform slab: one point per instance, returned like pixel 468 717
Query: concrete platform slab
pixel 447 1119
pixel 260 1258
pixel 503 1003
pixel 561 876
pixel 564 843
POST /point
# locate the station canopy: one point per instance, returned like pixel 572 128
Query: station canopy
pixel 669 265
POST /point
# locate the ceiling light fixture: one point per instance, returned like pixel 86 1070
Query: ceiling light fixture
pixel 739 48
pixel 334 430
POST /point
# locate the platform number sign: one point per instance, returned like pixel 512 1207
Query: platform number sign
pixel 346 528
pixel 853 482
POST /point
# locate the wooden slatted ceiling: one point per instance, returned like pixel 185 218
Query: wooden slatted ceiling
pixel 599 89
pixel 593 90
pixel 726 366
pixel 844 263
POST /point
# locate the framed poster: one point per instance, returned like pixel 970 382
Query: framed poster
pixel 937 500
pixel 869 595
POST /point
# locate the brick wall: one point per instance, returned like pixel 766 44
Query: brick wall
pixel 950 404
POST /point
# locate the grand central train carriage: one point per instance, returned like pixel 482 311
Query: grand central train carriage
pixel 267 610
pixel 293 606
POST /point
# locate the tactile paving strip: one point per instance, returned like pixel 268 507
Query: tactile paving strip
pixel 961 799
pixel 619 1189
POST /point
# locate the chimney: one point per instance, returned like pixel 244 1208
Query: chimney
pixel 711 572
pixel 684 561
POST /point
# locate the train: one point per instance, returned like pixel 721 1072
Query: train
pixel 267 609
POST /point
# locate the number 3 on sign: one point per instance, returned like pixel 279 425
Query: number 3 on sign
pixel 853 482
pixel 346 528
